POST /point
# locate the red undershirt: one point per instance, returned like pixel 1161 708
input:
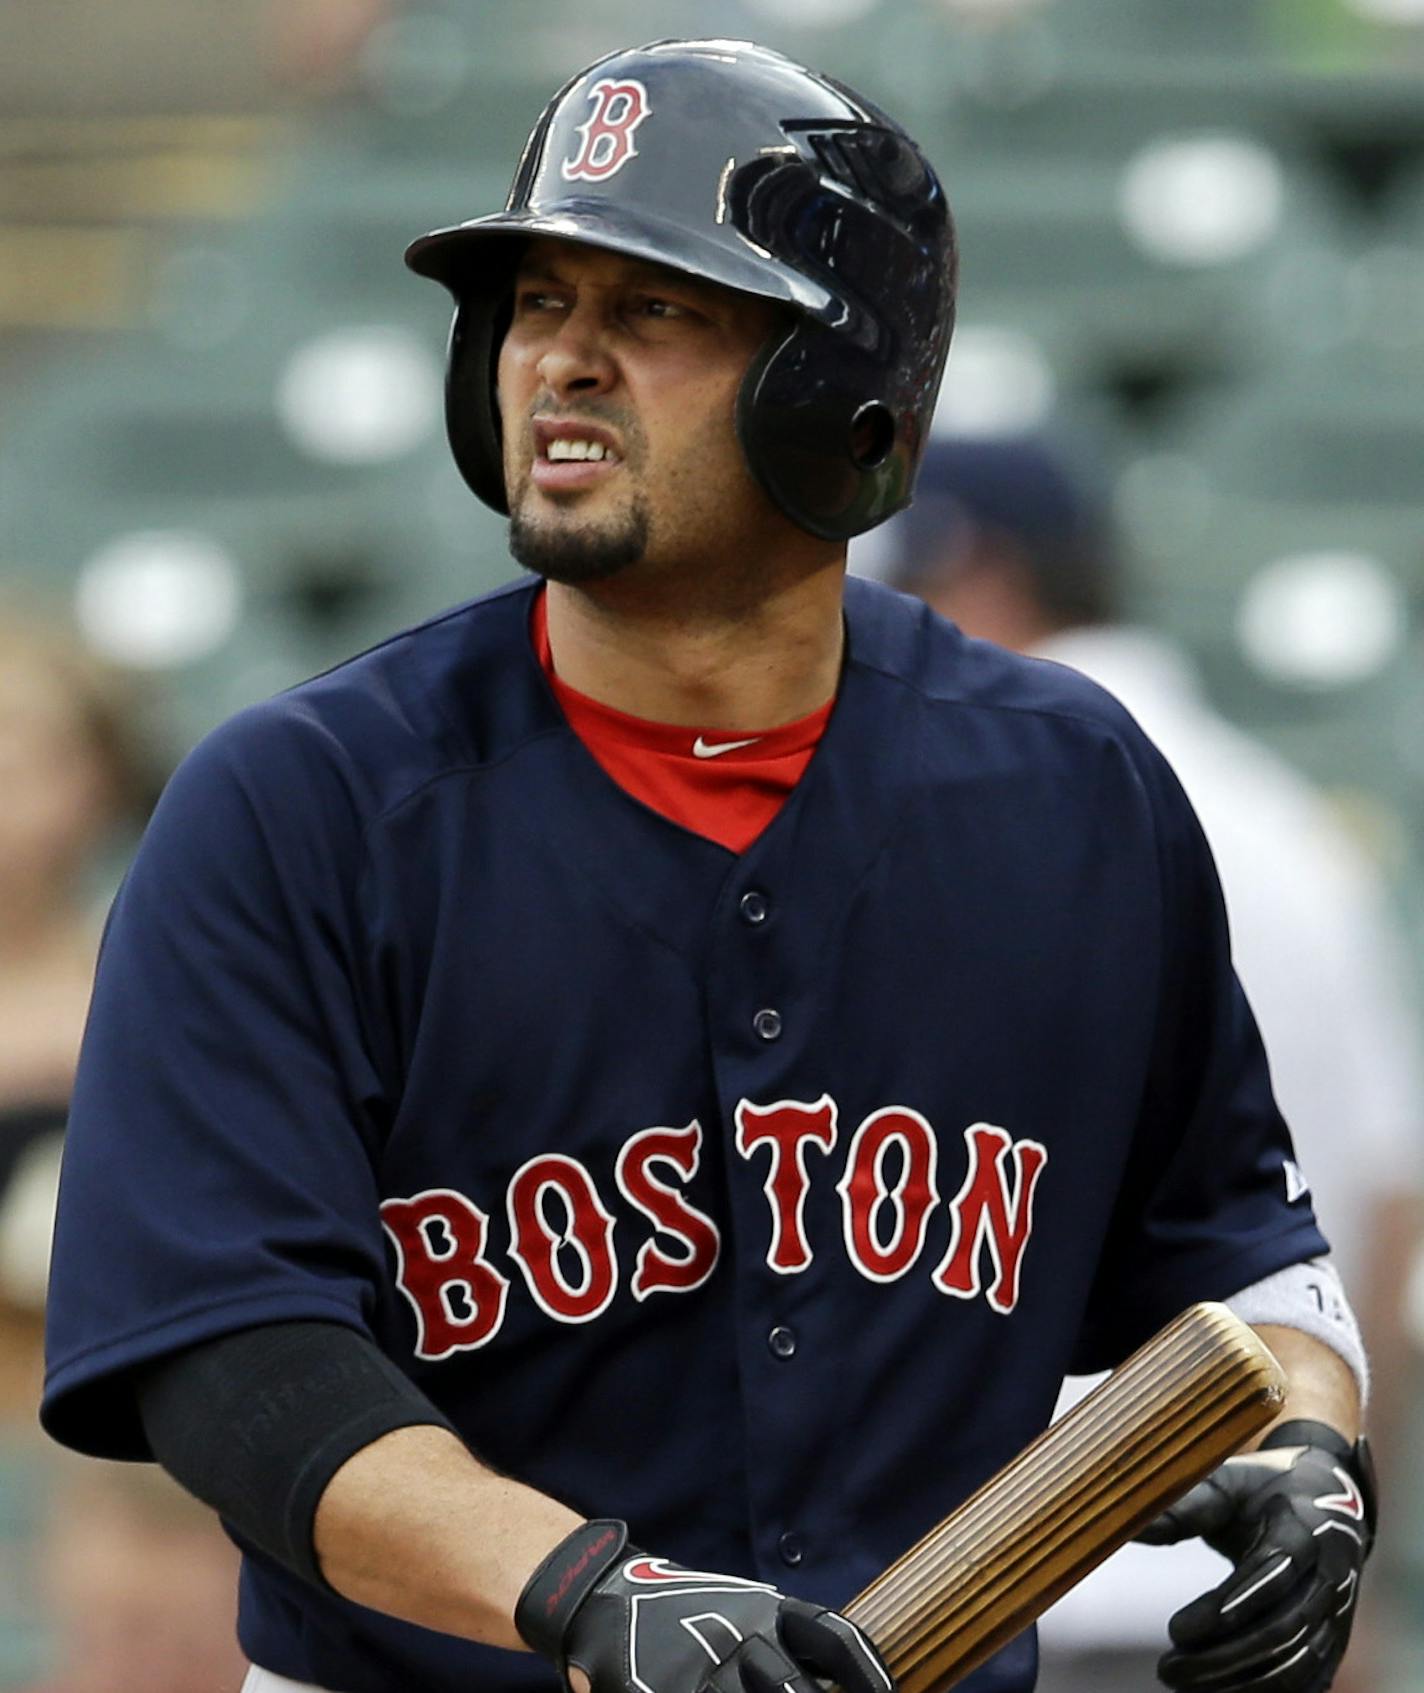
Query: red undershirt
pixel 729 797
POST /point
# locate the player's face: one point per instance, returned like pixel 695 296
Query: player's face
pixel 617 383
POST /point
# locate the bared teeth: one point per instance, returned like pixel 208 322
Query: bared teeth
pixel 565 449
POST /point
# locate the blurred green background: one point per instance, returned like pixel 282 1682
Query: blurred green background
pixel 1193 242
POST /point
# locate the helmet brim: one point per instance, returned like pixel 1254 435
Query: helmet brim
pixel 466 255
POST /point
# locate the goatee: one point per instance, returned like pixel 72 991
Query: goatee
pixel 581 554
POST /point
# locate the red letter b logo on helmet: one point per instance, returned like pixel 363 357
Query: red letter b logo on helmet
pixel 607 145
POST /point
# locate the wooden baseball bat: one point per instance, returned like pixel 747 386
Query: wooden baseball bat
pixel 1193 1395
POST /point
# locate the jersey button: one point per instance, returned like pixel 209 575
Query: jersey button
pixel 782 1341
pixel 791 1549
pixel 754 906
pixel 767 1023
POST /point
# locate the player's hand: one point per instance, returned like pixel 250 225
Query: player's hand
pixel 632 1622
pixel 1297 1519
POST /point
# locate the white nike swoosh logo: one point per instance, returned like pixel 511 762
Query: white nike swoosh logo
pixel 708 749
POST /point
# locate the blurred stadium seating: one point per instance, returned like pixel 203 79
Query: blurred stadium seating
pixel 181 269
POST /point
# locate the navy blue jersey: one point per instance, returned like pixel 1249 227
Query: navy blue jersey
pixel 762 1200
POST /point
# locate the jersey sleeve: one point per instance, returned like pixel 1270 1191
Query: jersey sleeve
pixel 219 1165
pixel 1211 1199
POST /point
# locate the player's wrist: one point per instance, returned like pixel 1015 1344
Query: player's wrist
pixel 1310 1431
pixel 563 1580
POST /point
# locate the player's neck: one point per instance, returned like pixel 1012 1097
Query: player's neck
pixel 744 666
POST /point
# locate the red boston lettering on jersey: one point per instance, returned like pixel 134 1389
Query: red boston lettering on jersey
pixel 788 1128
pixel 697 1235
pixel 458 1298
pixel 607 133
pixel 884 1224
pixel 581 1239
pixel 984 1214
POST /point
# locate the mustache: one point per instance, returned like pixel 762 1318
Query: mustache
pixel 594 410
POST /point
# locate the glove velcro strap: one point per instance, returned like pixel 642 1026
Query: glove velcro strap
pixel 563 1581
pixel 1304 1432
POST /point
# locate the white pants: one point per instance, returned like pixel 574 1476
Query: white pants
pixel 263 1681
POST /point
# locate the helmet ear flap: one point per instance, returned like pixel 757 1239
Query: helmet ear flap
pixel 472 398
pixel 819 436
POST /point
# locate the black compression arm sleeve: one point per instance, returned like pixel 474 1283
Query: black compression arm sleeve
pixel 256 1424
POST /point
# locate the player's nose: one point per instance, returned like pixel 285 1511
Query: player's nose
pixel 577 359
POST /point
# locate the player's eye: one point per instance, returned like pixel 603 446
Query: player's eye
pixel 659 308
pixel 530 301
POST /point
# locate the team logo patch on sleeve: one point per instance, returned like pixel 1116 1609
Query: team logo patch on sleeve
pixel 606 143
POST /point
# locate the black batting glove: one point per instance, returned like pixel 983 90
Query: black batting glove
pixel 636 1624
pixel 1297 1519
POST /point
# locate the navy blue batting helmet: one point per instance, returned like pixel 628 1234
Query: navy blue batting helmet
pixel 729 162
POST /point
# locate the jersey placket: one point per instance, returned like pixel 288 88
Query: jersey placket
pixel 773 935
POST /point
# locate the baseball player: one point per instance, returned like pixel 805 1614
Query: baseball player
pixel 607 1115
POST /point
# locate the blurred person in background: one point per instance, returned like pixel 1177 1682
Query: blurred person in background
pixel 140 1584
pixel 73 777
pixel 1006 540
pixel 74 780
